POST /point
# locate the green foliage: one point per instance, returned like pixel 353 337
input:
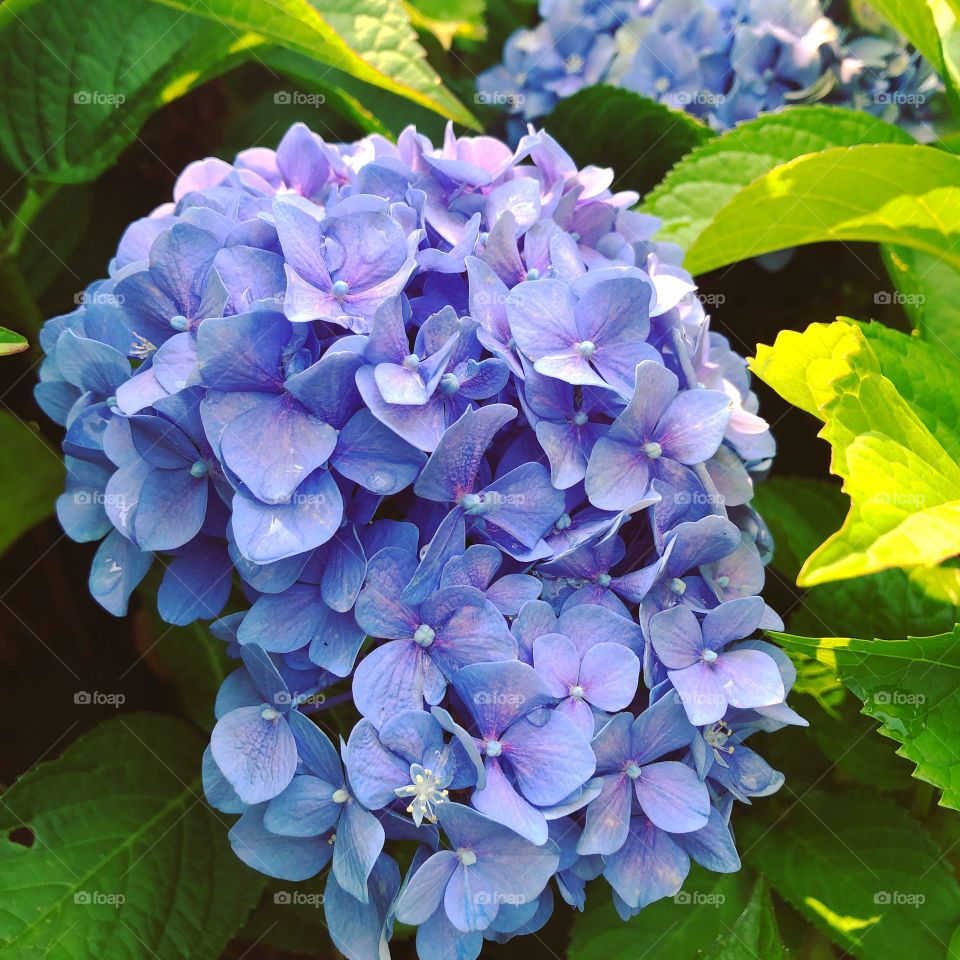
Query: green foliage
pixel 31 477
pixel 860 868
pixel 912 687
pixel 604 126
pixel 697 920
pixel 693 194
pixel 841 194
pixel 125 853
pixel 802 514
pixel 904 484
pixel 78 81
pixel 449 20
pixel 11 342
pixel 929 291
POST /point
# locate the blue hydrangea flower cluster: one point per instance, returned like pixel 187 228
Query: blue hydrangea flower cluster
pixel 721 60
pixel 459 429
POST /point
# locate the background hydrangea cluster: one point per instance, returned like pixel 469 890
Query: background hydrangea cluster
pixel 460 427
pixel 721 60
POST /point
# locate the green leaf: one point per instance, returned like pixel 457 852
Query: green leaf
pixel 927 25
pixel 371 40
pixel 77 81
pixel 31 477
pixel 700 915
pixel 801 514
pixel 126 860
pixel 912 687
pixel 448 20
pixel 370 108
pixel 928 289
pixel 849 740
pixel 11 342
pixel 755 932
pixel 903 483
pixel 700 186
pixel 638 137
pixel 860 868
pixel 841 194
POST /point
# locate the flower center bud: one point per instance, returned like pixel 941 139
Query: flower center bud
pixel 411 362
pixel 723 582
pixel 199 469
pixel 340 796
pixel 449 384
pixel 426 790
pixel 180 323
pixel 709 656
pixel 533 274
pixel 470 501
pixel 268 713
pixel 653 450
pixel 604 580
pixel 574 63
pixel 576 692
pixel 111 402
pixel 632 770
pixel 586 348
pixel 661 84
pixel 424 635
pixel 678 586
pixel 563 522
pixel 492 748
pixel 340 289
pixel 467 857
pixel 579 418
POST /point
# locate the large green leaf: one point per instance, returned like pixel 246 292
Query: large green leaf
pixel 687 925
pixel 928 289
pixel 862 870
pixel 31 476
pixel 371 40
pixel 888 193
pixel 903 482
pixel 702 184
pixel 912 687
pixel 77 81
pixel 126 860
pixel 801 514
pixel 611 127
pixel 448 20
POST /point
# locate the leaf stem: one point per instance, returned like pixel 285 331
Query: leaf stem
pixel 35 199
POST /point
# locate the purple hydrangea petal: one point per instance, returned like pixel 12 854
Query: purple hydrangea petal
pixel 672 796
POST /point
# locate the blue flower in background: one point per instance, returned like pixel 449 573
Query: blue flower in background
pixel 451 423
pixel 721 60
